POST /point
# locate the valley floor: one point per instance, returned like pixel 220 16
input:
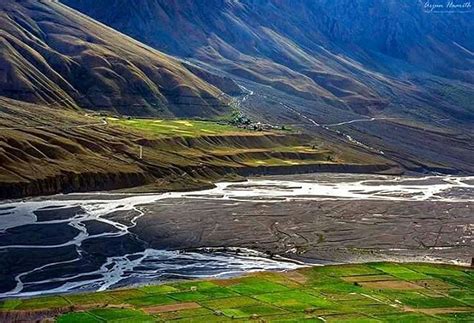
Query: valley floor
pixel 373 292
pixel 101 241
pixel 323 218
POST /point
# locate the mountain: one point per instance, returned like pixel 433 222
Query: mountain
pixel 46 150
pixel 360 54
pixel 57 64
pixel 386 76
pixel 352 76
pixel 51 54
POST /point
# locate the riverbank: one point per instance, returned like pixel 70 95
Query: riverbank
pixel 323 218
pixel 373 292
pixel 174 178
pixel 97 241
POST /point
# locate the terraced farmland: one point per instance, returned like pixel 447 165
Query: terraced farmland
pixel 375 292
pixel 224 144
pixel 67 151
pixel 174 128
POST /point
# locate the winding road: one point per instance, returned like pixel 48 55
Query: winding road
pixel 359 120
pixel 338 132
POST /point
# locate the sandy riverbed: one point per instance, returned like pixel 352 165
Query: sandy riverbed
pixel 100 241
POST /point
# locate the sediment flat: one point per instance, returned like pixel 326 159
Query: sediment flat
pixel 394 219
pixel 332 231
pixel 103 241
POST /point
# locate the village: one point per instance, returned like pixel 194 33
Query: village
pixel 241 121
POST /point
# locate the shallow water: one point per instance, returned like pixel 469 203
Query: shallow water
pixel 83 241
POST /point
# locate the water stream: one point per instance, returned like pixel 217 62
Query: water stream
pixel 79 224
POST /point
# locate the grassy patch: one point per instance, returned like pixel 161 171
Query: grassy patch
pixel 185 314
pixel 112 314
pixel 357 318
pixel 97 298
pixel 9 304
pixel 400 271
pixel 295 300
pixel 293 318
pixel 464 296
pixel 205 318
pixel 231 302
pixel 123 294
pixel 431 302
pixel 177 128
pixel 189 296
pixel 159 289
pixel 443 270
pixel 80 317
pixel 420 300
pixel 457 317
pixel 151 300
pixel 197 285
pixel 346 270
pixel 406 318
pixel 198 291
pixel 332 285
pixel 254 311
pixel 466 282
pixel 43 302
pixel 375 309
pixel 402 293
pixel 348 297
pixel 218 292
pixel 254 285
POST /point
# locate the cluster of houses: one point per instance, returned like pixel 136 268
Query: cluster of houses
pixel 243 122
pixel 258 126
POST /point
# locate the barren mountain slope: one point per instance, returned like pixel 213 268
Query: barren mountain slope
pixel 386 74
pixel 362 55
pixel 46 150
pixel 54 55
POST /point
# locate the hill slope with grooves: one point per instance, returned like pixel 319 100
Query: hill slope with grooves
pixel 351 54
pixel 46 151
pixel 51 54
pixel 322 62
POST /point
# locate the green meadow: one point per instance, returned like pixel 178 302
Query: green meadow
pixel 374 292
pixel 172 128
pixel 232 146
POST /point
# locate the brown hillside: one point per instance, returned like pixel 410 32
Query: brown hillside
pixel 44 150
pixel 51 54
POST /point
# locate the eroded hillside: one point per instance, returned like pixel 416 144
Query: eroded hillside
pixel 353 55
pixel 51 54
pixel 387 74
pixel 46 151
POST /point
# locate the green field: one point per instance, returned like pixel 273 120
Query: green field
pixel 175 128
pixel 375 292
pixel 233 146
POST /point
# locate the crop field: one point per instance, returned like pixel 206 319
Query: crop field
pixel 176 128
pixel 233 146
pixel 375 292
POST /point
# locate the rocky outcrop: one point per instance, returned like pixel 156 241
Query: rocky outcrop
pixel 72 182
